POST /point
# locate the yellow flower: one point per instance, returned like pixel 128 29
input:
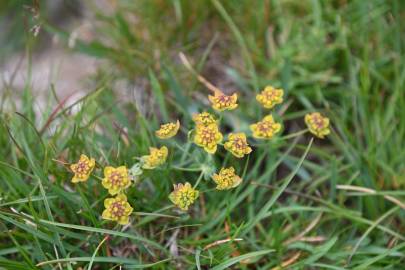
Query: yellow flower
pixel 204 119
pixel 208 137
pixel 117 209
pixel 237 145
pixel 155 158
pixel 116 179
pixel 183 195
pixel 317 124
pixel 222 102
pixel 82 169
pixel 168 130
pixel 270 97
pixel 226 179
pixel 266 128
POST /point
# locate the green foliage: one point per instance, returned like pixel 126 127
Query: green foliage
pixel 343 58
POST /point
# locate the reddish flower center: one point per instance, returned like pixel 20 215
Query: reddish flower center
pixel 270 94
pixel 207 135
pixel 116 178
pixel 264 126
pixel 224 100
pixel 318 121
pixel 82 168
pixel 239 143
pixel 117 209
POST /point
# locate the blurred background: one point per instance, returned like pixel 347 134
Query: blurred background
pixel 344 58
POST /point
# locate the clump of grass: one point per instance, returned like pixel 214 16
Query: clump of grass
pixel 334 203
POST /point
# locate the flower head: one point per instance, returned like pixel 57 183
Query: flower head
pixel 117 209
pixel 317 124
pixel 204 119
pixel 155 158
pixel 82 169
pixel 270 96
pixel 208 137
pixel 222 102
pixel 116 179
pixel 237 144
pixel 226 179
pixel 266 128
pixel 168 130
pixel 183 195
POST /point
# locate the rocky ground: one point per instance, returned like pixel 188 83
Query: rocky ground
pixel 52 62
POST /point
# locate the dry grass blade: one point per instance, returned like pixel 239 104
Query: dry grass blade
pixel 304 232
pixel 54 113
pixel 220 242
pixel 200 78
pixel 288 262
pixel 371 191
pixel 313 239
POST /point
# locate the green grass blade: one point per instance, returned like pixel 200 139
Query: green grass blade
pixel 226 264
pixel 260 215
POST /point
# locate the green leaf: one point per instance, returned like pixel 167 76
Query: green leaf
pixel 129 263
pixel 157 90
pixel 246 256
pixel 260 215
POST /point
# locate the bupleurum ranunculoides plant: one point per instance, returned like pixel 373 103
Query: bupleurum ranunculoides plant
pixel 221 102
pixel 265 129
pixel 116 180
pixel 270 97
pixel 206 134
pixel 82 169
pixel 183 195
pixel 317 124
pixel 168 130
pixel 117 209
pixel 237 144
pixel 204 119
pixel 156 157
pixel 208 137
pixel 226 179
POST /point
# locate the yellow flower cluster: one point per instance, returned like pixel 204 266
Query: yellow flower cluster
pixel 155 158
pixel 237 145
pixel 226 179
pixel 208 136
pixel 183 195
pixel 168 130
pixel 266 128
pixel 117 209
pixel 222 102
pixel 82 169
pixel 270 97
pixel 116 180
pixel 317 124
pixel 204 119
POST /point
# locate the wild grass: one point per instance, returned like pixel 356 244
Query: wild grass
pixel 303 203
